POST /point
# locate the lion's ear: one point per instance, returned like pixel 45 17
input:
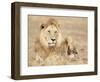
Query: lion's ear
pixel 42 26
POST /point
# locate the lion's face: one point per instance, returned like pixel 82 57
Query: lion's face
pixel 50 35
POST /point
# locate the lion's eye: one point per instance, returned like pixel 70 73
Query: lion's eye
pixel 49 31
pixel 55 31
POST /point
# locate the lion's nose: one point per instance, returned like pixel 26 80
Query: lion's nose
pixel 53 39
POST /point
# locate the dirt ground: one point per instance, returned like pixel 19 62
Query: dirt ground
pixel 76 27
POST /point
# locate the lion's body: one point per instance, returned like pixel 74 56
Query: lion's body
pixel 49 56
pixel 51 48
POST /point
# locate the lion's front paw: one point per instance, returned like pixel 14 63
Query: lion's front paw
pixel 72 53
pixel 72 56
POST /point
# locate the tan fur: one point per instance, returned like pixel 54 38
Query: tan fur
pixel 55 55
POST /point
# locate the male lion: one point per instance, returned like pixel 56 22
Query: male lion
pixel 51 48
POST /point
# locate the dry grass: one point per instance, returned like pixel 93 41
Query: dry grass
pixel 76 27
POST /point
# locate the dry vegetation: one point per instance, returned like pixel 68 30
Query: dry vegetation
pixel 76 27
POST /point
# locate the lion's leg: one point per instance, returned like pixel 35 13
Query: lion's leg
pixel 72 51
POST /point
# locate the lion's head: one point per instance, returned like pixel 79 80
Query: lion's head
pixel 50 34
